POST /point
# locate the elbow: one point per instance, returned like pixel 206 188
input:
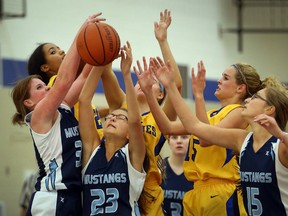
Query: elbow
pixel 166 130
pixel 203 143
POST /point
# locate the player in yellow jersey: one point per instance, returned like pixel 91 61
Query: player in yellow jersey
pixel 46 60
pixel 152 197
pixel 212 169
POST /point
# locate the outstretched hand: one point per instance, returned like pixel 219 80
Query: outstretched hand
pixel 126 58
pixel 160 28
pixel 269 123
pixel 198 81
pixel 144 75
pixel 94 18
pixel 162 71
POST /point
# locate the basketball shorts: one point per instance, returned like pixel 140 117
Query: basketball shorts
pixel 56 203
pixel 213 198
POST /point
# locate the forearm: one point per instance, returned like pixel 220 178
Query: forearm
pixel 131 100
pixel 184 113
pixel 160 117
pixel 200 109
pixel 167 55
pixel 116 97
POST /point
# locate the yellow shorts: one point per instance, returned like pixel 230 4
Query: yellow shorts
pixel 151 201
pixel 213 198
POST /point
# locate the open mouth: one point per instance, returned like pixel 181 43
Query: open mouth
pixel 111 125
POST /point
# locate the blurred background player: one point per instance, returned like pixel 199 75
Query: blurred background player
pixel 174 183
pixel 28 188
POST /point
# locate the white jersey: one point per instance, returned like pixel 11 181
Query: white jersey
pixel 58 153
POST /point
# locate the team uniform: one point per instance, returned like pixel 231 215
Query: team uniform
pixel 59 156
pixel 75 110
pixel 214 171
pixel 264 179
pixel 174 187
pixel 111 187
pixel 152 197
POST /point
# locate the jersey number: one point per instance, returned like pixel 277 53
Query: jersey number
pixel 110 198
pixel 176 209
pixel 252 201
pixel 78 145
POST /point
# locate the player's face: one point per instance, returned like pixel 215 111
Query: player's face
pixel 256 104
pixel 116 123
pixel 179 144
pixel 158 94
pixel 227 85
pixel 38 90
pixel 54 57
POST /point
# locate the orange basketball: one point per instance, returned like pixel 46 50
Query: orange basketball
pixel 98 44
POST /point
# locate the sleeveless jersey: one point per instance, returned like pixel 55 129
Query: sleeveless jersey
pixel 75 110
pixel 264 179
pixel 58 153
pixel 174 186
pixel 203 163
pixel 111 187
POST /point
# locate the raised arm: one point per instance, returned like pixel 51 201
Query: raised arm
pixel 146 80
pixel 45 112
pixel 115 98
pixel 136 138
pixel 229 138
pixel 88 131
pixel 198 83
pixel 74 92
pixel 160 30
pixel 270 124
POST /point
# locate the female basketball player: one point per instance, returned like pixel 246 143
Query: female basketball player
pixel 46 60
pixel 263 156
pixel 219 176
pixel 151 199
pixel 113 175
pixel 174 183
pixel 54 130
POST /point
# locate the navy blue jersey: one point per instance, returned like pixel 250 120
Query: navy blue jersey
pixel 59 156
pixel 264 179
pixel 111 187
pixel 174 186
pixel 59 153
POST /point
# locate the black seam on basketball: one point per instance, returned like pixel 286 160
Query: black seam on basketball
pixel 103 47
pixel 97 63
pixel 85 43
pixel 117 38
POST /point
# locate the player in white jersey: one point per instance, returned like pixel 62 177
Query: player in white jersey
pixel 55 134
pixel 263 154
pixel 113 174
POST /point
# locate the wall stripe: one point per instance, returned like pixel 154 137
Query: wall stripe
pixel 14 70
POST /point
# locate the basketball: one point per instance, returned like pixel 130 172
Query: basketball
pixel 98 44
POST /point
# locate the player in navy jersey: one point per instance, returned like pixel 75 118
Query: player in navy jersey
pixel 174 182
pixel 113 174
pixel 54 129
pixel 263 154
pixel 151 199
